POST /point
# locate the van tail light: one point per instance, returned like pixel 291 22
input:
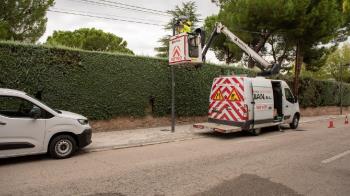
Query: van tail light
pixel 198 126
pixel 246 114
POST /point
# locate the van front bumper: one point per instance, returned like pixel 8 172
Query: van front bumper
pixel 84 138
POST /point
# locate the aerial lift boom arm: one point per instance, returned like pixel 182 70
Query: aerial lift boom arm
pixel 266 67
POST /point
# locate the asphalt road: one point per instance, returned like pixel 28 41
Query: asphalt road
pixel 313 160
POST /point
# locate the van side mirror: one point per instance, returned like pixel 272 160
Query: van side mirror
pixel 35 112
pixel 295 100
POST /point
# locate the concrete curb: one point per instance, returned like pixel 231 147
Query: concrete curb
pixel 333 117
pixel 115 147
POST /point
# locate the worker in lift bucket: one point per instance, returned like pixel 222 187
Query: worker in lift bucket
pixel 187 25
pixel 184 25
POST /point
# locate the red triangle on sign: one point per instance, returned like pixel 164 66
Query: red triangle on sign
pixel 234 96
pixel 217 96
pixel 176 52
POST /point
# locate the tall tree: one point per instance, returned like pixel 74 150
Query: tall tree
pixel 23 20
pixel 89 39
pixel 188 9
pixel 339 59
pixel 300 25
pixel 255 22
pixel 317 23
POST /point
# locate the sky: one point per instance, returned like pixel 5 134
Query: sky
pixel 141 38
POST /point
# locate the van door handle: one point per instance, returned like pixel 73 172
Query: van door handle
pixel 2 123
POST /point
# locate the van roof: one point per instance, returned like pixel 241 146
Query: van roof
pixel 243 76
pixel 11 91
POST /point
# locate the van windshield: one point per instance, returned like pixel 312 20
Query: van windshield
pixel 33 97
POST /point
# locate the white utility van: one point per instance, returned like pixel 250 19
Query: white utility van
pixel 27 126
pixel 244 103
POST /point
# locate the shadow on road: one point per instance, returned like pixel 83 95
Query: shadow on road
pixel 23 159
pixel 34 158
pixel 106 194
pixel 240 134
pixel 249 184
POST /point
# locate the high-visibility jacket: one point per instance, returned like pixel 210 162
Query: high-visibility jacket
pixel 186 27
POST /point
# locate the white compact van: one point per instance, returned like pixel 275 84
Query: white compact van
pixel 244 103
pixel 27 126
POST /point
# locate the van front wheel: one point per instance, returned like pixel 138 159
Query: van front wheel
pixel 295 123
pixel 62 146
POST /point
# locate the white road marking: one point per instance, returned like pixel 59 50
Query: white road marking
pixel 338 156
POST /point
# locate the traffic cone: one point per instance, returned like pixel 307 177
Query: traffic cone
pixel 346 120
pixel 331 125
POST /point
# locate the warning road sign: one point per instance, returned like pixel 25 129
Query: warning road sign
pixel 234 96
pixel 218 96
pixel 176 53
pixel 178 49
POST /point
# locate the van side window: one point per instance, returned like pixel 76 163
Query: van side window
pixel 16 107
pixel 289 95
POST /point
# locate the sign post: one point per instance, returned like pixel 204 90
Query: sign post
pixel 173 91
pixel 179 53
pixel 178 50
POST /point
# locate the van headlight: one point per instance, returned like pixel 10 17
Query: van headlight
pixel 83 121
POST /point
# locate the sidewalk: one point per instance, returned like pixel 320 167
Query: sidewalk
pixel 150 136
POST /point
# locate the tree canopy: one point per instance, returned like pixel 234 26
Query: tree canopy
pixel 23 20
pixel 292 27
pixel 188 9
pixel 336 63
pixel 340 59
pixel 89 39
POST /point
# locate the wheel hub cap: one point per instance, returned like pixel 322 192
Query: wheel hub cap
pixel 63 147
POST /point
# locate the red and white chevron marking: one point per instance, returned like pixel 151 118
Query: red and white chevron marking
pixel 225 109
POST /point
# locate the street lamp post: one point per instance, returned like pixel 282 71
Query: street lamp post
pixel 341 88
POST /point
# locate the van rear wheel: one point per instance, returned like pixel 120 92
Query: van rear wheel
pixel 295 123
pixel 62 146
pixel 255 132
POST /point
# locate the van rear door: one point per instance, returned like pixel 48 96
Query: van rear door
pixel 262 100
pixel 227 101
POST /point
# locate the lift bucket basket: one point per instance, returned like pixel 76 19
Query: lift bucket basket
pixel 185 49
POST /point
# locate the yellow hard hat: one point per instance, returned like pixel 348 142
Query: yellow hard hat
pixel 189 23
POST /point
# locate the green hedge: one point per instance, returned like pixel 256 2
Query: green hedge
pixel 314 93
pixel 105 85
